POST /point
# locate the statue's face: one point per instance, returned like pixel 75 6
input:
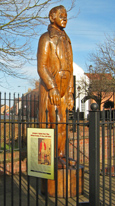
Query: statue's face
pixel 61 19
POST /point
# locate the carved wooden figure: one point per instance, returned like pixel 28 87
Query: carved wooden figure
pixel 55 68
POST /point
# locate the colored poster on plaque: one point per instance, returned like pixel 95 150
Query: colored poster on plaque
pixel 40 152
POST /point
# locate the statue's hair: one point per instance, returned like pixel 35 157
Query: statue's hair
pixel 54 10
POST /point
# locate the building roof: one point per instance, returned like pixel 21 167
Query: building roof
pixel 98 76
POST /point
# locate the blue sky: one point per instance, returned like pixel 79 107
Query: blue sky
pixel 95 20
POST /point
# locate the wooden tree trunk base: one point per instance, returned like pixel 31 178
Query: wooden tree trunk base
pixel 72 187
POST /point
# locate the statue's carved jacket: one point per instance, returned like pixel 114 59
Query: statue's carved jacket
pixel 55 66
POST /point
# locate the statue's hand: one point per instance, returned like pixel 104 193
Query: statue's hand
pixel 54 96
pixel 70 101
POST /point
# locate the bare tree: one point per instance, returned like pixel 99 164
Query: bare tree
pixel 100 88
pixel 19 24
pixel 102 72
pixel 104 58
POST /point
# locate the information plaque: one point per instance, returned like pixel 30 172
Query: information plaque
pixel 40 152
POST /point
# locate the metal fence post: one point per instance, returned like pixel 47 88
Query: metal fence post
pixel 94 157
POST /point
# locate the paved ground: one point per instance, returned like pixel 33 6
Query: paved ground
pixel 51 201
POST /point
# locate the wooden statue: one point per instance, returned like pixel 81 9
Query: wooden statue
pixel 55 68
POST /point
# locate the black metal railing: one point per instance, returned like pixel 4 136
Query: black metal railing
pixel 89 143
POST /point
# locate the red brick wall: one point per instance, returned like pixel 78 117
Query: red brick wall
pixel 86 146
pixel 15 162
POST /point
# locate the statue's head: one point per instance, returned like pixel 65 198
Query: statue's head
pixel 58 16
